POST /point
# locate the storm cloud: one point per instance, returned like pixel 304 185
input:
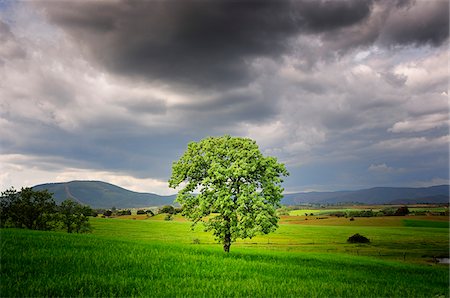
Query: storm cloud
pixel 349 94
pixel 213 44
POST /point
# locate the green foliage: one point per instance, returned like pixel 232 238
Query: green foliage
pixel 238 188
pixel 283 211
pixel 167 209
pixel 74 216
pixel 29 209
pixel 389 211
pixel 36 210
pixel 124 212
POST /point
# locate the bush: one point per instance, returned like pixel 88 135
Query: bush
pixel 168 217
pixel 283 211
pixel 357 238
pixel 388 211
pixel 167 209
pixel 140 212
pixel 402 211
pixel 124 212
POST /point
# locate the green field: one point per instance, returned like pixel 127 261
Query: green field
pixel 157 258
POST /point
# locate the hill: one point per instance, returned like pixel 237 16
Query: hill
pixel 98 194
pixel 377 195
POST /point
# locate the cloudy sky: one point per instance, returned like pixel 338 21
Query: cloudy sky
pixel 348 94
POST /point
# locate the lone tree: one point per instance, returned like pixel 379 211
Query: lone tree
pixel 230 186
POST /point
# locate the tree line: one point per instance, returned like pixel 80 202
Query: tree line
pixel 36 210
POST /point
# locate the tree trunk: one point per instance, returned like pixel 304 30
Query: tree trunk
pixel 227 242
pixel 227 238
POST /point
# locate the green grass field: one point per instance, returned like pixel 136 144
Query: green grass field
pixel 157 258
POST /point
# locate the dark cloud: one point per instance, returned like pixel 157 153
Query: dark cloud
pixel 320 16
pixel 128 89
pixel 208 43
pixel 425 23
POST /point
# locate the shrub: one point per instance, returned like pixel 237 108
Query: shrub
pixel 388 211
pixel 352 218
pixel 402 211
pixel 357 238
pixel 140 212
pixel 167 209
pixel 196 241
pixel 283 211
pixel 168 217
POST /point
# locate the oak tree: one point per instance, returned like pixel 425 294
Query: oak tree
pixel 229 186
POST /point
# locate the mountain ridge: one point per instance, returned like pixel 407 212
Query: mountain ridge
pixel 99 194
pixel 374 195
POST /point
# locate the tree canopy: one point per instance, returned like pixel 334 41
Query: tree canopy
pixel 230 186
pixel 36 210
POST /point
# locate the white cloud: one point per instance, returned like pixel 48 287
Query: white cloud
pixel 421 123
pixel 383 168
pixel 414 143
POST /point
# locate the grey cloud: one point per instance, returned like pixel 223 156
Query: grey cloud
pixel 427 22
pixel 146 106
pixel 10 48
pixel 320 16
pixel 209 44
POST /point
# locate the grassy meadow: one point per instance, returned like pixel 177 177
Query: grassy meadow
pixel 154 257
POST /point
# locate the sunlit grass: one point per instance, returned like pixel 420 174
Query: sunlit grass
pixel 390 240
pixel 108 264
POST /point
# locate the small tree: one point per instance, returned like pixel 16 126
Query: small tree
pixel 238 188
pixel 74 216
pixel 402 211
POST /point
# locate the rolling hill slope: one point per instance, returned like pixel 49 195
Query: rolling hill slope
pixel 98 194
pixel 377 195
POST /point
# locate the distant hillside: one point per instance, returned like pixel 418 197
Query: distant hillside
pixel 99 194
pixel 377 195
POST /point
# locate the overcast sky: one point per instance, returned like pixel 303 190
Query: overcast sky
pixel 348 94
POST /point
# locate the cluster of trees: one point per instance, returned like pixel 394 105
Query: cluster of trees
pixel 36 210
pixel 401 211
pixel 115 212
